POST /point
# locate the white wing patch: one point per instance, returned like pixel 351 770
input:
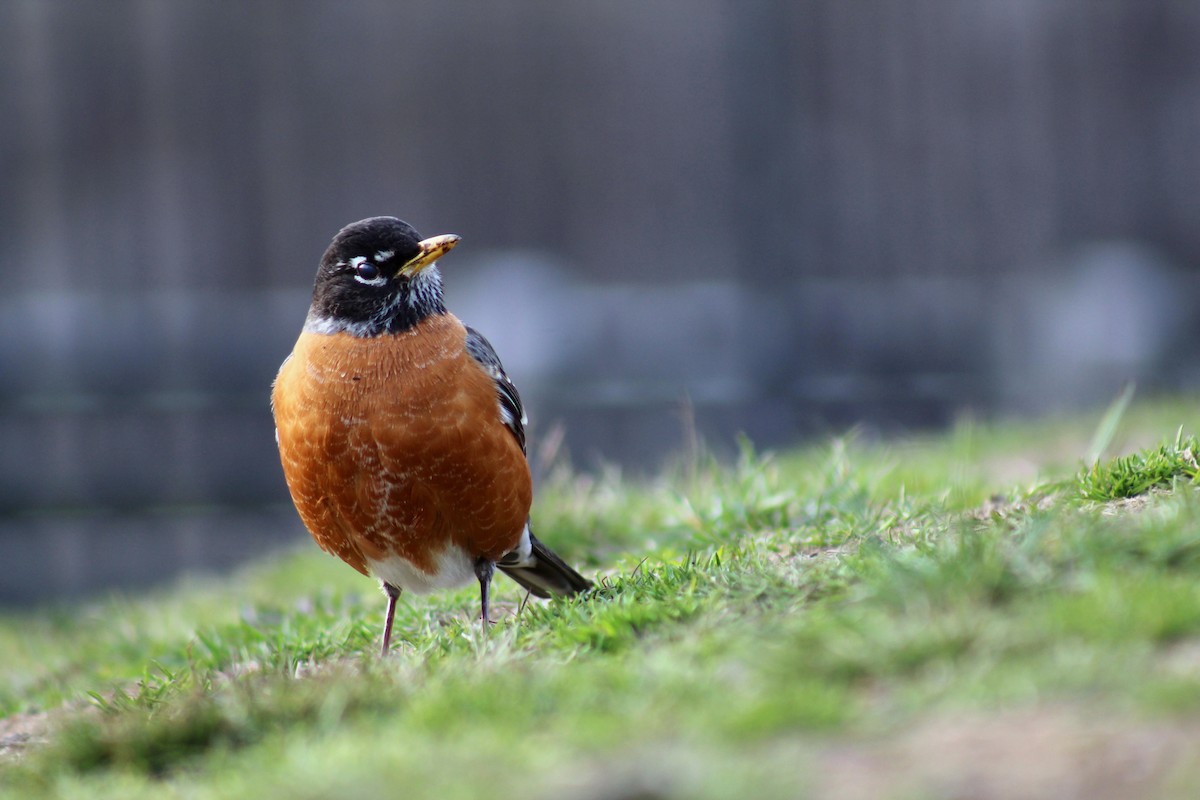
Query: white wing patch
pixel 506 416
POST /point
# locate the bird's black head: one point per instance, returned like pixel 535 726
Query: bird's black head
pixel 378 276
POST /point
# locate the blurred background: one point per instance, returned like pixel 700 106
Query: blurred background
pixel 681 218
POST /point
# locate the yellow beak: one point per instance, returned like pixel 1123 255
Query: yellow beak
pixel 432 249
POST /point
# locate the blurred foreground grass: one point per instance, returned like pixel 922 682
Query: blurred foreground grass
pixel 960 615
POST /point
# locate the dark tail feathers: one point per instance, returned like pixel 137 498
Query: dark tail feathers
pixel 544 574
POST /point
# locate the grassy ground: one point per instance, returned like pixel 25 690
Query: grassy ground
pixel 980 614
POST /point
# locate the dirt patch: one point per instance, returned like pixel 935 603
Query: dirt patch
pixel 1057 753
pixel 1000 507
pixel 19 732
pixel 1132 505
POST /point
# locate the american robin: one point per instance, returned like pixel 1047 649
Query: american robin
pixel 402 438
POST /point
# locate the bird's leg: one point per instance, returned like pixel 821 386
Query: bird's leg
pixel 393 594
pixel 484 570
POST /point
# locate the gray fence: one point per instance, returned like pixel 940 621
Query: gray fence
pixel 786 216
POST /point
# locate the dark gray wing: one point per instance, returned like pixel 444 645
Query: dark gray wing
pixel 532 564
pixel 512 413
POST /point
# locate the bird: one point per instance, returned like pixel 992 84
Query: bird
pixel 401 436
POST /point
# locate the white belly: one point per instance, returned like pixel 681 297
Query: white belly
pixel 452 568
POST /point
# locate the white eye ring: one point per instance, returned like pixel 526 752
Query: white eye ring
pixel 366 272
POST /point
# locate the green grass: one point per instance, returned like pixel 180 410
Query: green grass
pixel 1138 473
pixel 804 623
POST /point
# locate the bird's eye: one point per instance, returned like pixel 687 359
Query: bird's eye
pixel 366 271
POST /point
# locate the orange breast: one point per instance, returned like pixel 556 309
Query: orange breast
pixel 393 445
